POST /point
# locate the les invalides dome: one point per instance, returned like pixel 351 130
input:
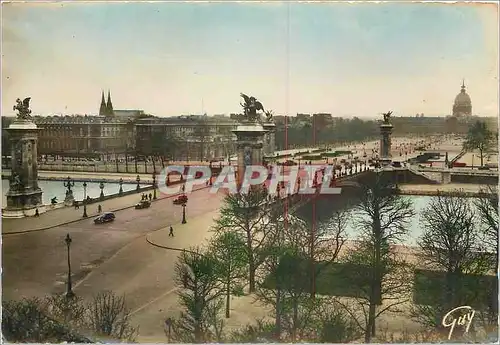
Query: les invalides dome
pixel 462 105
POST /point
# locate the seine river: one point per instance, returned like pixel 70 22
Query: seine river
pixel 56 189
pixel 414 226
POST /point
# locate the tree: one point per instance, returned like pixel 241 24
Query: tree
pixel 29 321
pixel 196 274
pixel 293 262
pixel 248 215
pixel 451 244
pixel 478 138
pixel 487 207
pixel 108 315
pixel 202 134
pixel 228 250
pixel 380 278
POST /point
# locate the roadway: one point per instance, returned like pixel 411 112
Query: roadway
pixel 35 264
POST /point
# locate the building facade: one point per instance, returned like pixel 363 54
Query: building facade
pixel 84 136
pixel 192 137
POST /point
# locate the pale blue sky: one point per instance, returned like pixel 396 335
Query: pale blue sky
pixel 165 58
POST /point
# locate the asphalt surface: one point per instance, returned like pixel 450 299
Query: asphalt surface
pixel 35 264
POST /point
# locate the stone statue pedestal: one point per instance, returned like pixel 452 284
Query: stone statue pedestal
pixel 269 138
pixel 385 157
pixel 24 196
pixel 69 199
pixel 249 144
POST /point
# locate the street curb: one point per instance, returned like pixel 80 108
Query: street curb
pixel 165 247
pixel 81 219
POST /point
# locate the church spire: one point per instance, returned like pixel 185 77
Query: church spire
pixel 102 108
pixel 109 106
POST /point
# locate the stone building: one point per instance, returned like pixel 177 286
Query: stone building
pixel 192 137
pixel 462 105
pixel 84 136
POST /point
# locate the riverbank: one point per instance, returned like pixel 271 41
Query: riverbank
pixel 469 189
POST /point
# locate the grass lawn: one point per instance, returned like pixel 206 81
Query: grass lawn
pixel 348 279
pixel 475 290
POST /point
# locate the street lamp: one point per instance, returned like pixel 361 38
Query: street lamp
pixel 68 184
pixel 184 214
pixel 154 185
pixel 69 291
pixel 84 200
pixel 138 180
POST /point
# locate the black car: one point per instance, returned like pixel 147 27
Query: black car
pixel 142 204
pixel 105 218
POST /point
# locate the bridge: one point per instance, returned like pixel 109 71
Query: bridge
pixel 458 175
pixel 465 171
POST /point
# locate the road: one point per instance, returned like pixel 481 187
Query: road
pixel 35 264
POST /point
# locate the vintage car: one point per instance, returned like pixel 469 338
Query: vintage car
pixel 105 218
pixel 142 204
pixel 181 199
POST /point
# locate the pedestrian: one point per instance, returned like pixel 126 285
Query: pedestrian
pixel 37 214
pixel 99 208
pixel 171 233
pixel 150 197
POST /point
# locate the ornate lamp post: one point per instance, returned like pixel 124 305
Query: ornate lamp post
pixel 184 214
pixel 84 200
pixel 68 184
pixel 154 185
pixel 69 291
pixel 101 185
pixel 121 186
pixel 138 180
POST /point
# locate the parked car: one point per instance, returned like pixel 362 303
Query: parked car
pixel 396 164
pixel 142 204
pixel 483 168
pixel 181 199
pixel 105 218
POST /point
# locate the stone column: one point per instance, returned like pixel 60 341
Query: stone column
pixel 385 144
pixel 249 145
pixel 24 195
pixel 269 145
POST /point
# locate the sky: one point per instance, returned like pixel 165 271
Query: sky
pixel 191 58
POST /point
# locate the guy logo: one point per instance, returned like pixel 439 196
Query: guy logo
pixel 463 320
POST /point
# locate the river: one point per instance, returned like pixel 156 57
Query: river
pixel 56 189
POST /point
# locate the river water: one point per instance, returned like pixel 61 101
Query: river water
pixel 56 189
pixel 415 229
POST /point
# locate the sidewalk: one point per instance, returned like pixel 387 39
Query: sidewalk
pixel 96 175
pixel 432 189
pixel 65 215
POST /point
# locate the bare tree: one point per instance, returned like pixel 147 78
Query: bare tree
pixel 108 315
pixel 250 216
pixel 200 296
pixel 30 321
pixel 451 243
pixel 228 250
pixel 67 310
pixel 487 207
pixel 381 279
pixel 292 262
